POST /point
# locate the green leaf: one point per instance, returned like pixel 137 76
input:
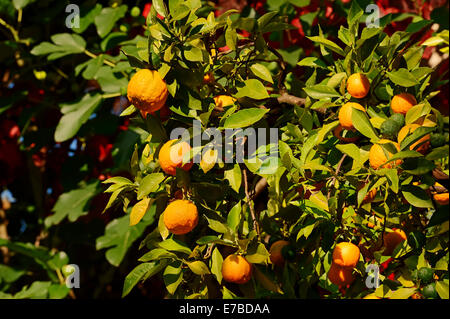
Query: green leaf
pixel 64 44
pixel 157 253
pixel 416 112
pixel 234 217
pixel 72 204
pixel 135 276
pixel 402 77
pixel 149 184
pixel 172 277
pixel 119 236
pixel 257 254
pixel 362 123
pixel 37 290
pixel 328 44
pixel 175 245
pixel 217 226
pixel 139 209
pixel 253 89
pixel 416 196
pixel 244 118
pixel 442 289
pixel 312 62
pixel 107 19
pixel 198 267
pixel 75 115
pixel 216 264
pixel 160 7
pixel 10 274
pixel 321 91
pixel 415 136
pixel 234 177
pixel 262 72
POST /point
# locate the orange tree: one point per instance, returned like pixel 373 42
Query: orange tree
pixel 317 195
pixel 359 186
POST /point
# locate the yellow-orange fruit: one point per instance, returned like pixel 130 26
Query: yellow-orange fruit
pixel 340 276
pixel 346 254
pixel 424 141
pixel 236 269
pixel 377 157
pixel 223 100
pixel 358 85
pixel 180 216
pixel 441 199
pixel 276 257
pixel 345 114
pixel 147 91
pixel 401 103
pixel 171 157
pixel 392 240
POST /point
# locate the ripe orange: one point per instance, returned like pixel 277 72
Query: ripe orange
pixel 424 141
pixel 224 100
pixel 358 85
pixel 345 114
pixel 377 157
pixel 275 252
pixel 337 132
pixel 180 216
pixel 392 239
pixel 236 269
pixel 441 199
pixel 171 157
pixel 346 254
pixel 147 91
pixel 401 103
pixel 340 276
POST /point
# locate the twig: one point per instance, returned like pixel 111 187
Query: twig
pixel 252 209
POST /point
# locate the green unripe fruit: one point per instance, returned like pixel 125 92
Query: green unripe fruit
pixel 124 27
pixel 425 274
pixel 437 140
pixel 398 118
pixel 389 128
pixel 429 291
pixel 135 12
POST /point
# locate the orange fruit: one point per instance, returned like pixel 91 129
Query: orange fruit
pixel 224 100
pixel 345 114
pixel 441 199
pixel 147 91
pixel 276 257
pixel 346 254
pixel 236 269
pixel 340 276
pixel 337 132
pixel 171 157
pixel 424 141
pixel 358 85
pixel 377 157
pixel 401 103
pixel 392 239
pixel 180 216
